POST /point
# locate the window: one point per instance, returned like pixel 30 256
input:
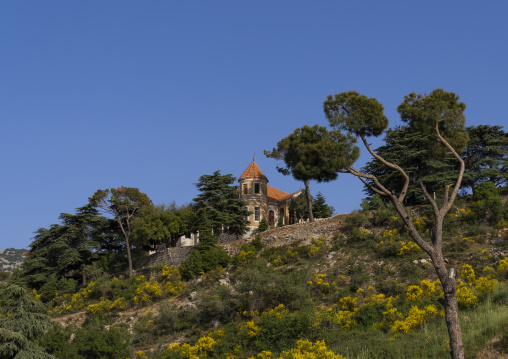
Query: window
pixel 245 188
pixel 257 214
pixel 257 188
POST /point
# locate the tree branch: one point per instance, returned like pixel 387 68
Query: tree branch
pixel 391 165
pixel 440 138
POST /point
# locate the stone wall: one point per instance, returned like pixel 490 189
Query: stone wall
pixel 170 256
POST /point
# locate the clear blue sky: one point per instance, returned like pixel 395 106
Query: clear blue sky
pixel 154 94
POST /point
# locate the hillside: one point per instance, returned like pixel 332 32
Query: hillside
pixel 10 259
pixel 353 281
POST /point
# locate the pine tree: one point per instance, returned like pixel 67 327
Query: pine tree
pixel 219 200
pixel 321 209
pixel 24 322
pixel 263 225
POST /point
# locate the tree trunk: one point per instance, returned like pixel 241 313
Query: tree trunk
pixel 309 201
pixel 129 257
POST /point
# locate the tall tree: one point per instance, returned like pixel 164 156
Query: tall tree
pixel 436 112
pixel 218 202
pixel 314 153
pixel 123 203
pixel 321 208
pixel 162 223
pixel 486 156
pixel 25 321
pixel 65 247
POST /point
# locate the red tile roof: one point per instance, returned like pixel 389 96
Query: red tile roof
pixel 276 195
pixel 253 171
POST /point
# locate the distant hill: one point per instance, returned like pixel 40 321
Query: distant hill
pixel 11 258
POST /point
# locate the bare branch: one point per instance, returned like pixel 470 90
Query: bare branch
pixel 449 203
pixel 431 200
pixel 391 165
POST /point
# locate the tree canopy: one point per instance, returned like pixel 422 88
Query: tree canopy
pixel 65 247
pixel 25 321
pixel 486 156
pixel 123 203
pixel 218 203
pixel 162 224
pixel 314 153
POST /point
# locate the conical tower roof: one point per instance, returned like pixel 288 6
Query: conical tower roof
pixel 253 171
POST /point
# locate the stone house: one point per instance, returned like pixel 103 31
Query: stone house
pixel 263 200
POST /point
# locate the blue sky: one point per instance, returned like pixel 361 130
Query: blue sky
pixel 154 94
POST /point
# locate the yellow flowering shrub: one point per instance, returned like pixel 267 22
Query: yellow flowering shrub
pixel 465 296
pixel 278 311
pixel 502 268
pixel 390 316
pixel 485 285
pixel 414 319
pixel 408 248
pixel 197 351
pixel 463 215
pixel 249 329
pixel 468 274
pixel 414 293
pixel 173 280
pixel 317 246
pixel 148 290
pixel 320 284
pixel 307 350
pixel 420 223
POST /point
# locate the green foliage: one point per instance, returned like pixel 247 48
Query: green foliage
pixel 54 286
pixel 357 220
pixel 280 222
pixel 488 200
pixel 314 153
pixel 486 156
pixel 162 224
pixel 90 341
pixel 123 203
pixel 23 321
pixel 355 113
pixel 406 148
pixel 298 206
pixel 320 208
pixel 218 203
pixel 65 247
pixel 422 112
pixel 202 261
pixel 263 225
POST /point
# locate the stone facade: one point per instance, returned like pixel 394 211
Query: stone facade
pixel 263 200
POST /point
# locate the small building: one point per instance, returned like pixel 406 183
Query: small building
pixel 263 200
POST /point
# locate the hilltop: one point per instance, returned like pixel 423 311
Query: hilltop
pixel 355 281
pixel 11 258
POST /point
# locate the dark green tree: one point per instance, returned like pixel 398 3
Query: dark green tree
pixel 123 203
pixel 263 225
pixel 438 112
pixel 486 156
pixel 314 153
pixel 321 208
pixel 218 201
pixel 64 248
pixel 23 322
pixel 408 149
pixel 162 224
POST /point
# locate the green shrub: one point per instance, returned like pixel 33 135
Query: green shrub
pixel 202 261
pixel 357 220
pixel 263 225
pixel 488 202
